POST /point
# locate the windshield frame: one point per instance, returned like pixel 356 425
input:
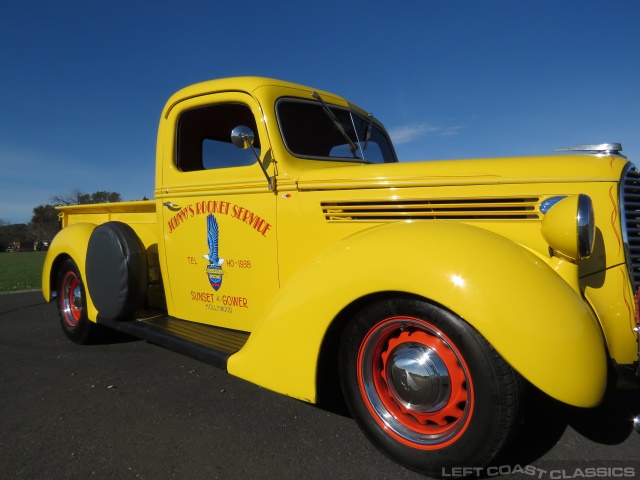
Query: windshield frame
pixel 364 118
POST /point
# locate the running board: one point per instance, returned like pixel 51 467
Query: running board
pixel 212 345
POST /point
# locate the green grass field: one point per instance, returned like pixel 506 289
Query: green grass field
pixel 20 271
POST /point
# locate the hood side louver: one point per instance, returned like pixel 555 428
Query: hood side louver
pixel 512 208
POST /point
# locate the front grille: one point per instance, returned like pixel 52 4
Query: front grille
pixel 630 219
pixel 470 209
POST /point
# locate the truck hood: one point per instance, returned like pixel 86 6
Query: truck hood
pixel 512 170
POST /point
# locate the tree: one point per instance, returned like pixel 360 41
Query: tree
pixel 5 234
pixel 78 197
pixel 15 234
pixel 72 198
pixel 105 197
pixel 44 223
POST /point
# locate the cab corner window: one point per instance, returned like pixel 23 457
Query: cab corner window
pixel 204 137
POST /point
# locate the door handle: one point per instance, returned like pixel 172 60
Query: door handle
pixel 171 206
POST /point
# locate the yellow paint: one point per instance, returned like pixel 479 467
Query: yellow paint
pixel 71 242
pixel 464 234
pixel 527 312
pixel 610 295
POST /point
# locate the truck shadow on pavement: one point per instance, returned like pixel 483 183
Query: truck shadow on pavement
pixel 546 420
pixel 109 336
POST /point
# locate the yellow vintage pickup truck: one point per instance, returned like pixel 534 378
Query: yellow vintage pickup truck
pixel 288 246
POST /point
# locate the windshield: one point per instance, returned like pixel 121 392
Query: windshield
pixel 309 132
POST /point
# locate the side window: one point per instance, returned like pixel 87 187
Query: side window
pixel 204 137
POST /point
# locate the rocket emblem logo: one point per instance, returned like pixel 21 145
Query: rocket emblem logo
pixel 214 268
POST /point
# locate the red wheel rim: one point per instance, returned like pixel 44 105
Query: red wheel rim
pixel 71 299
pixel 415 383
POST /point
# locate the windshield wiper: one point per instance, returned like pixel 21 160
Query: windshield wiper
pixel 336 123
pixel 367 135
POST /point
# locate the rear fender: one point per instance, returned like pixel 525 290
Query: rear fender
pixel 530 315
pixel 71 242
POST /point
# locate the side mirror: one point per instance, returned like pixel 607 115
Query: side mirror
pixel 243 137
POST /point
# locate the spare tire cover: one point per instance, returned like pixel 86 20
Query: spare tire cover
pixel 116 270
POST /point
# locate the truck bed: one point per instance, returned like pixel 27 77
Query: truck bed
pixel 143 211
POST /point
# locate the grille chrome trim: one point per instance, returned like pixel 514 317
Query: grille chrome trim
pixel 630 220
pixel 508 208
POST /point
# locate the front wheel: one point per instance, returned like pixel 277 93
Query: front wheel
pixel 72 305
pixel 426 388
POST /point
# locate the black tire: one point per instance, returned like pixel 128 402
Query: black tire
pixel 117 270
pixel 72 305
pixel 426 388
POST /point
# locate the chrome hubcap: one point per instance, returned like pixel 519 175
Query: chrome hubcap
pixel 415 382
pixel 418 378
pixel 71 299
pixel 77 298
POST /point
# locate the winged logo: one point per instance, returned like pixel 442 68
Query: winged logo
pixel 214 269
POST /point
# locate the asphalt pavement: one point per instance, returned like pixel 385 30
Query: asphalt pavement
pixel 131 410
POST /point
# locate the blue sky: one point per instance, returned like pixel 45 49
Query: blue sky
pixel 83 82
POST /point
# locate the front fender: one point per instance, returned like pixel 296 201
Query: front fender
pixel 530 315
pixel 71 242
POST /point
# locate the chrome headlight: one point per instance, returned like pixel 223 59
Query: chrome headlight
pixel 569 227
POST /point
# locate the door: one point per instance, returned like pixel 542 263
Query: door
pixel 219 216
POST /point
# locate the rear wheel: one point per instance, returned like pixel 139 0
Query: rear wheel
pixel 426 388
pixel 72 305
